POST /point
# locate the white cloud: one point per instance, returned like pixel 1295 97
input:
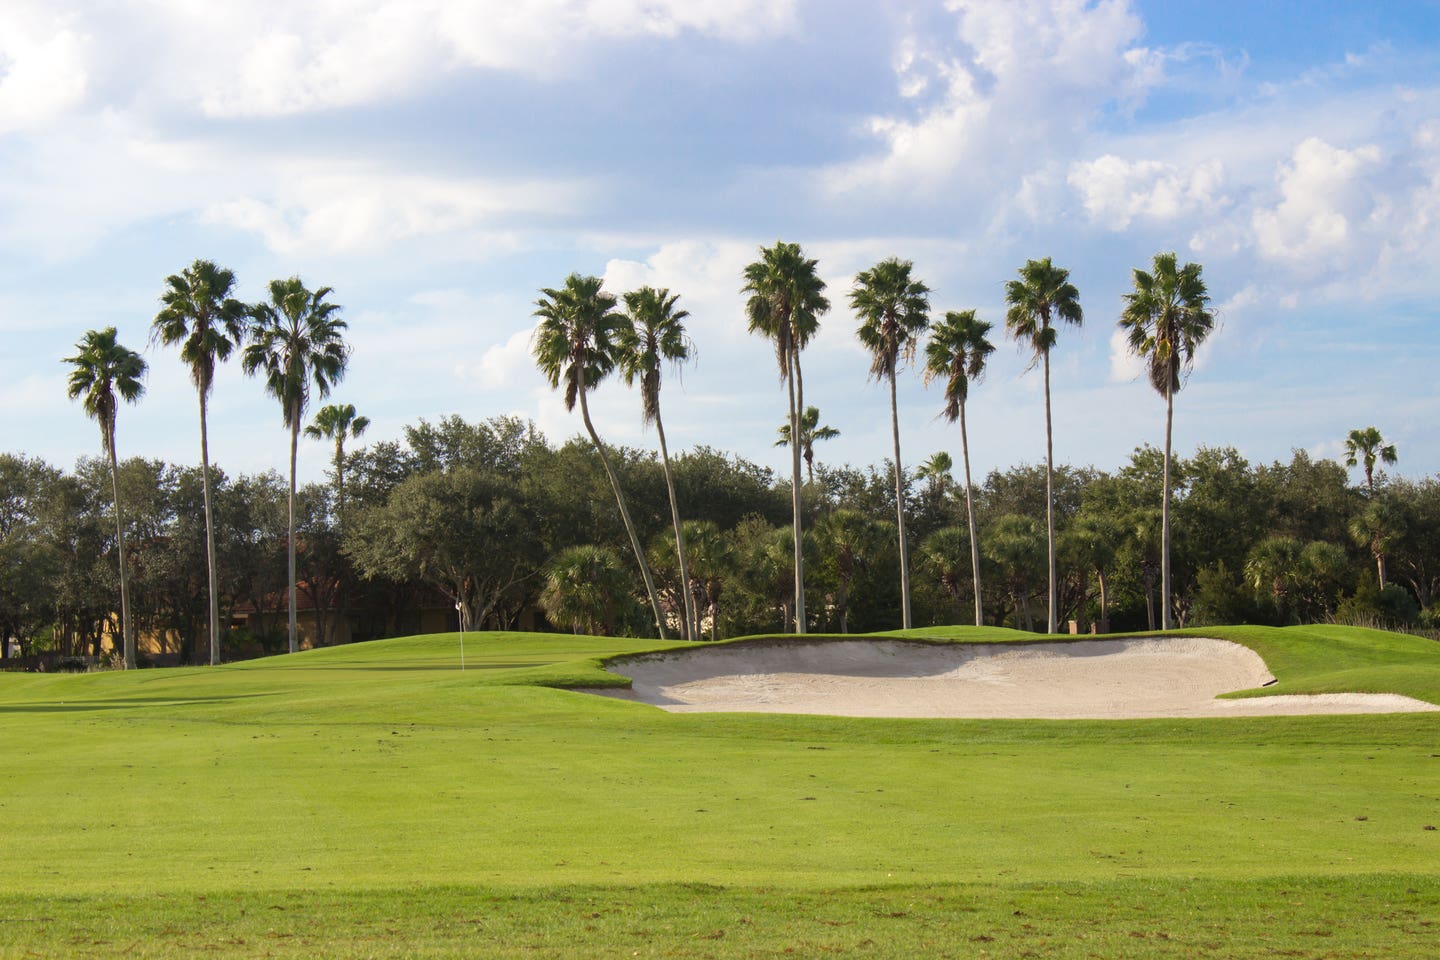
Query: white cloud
pixel 1016 78
pixel 43 65
pixel 501 365
pixel 281 58
pixel 1324 197
pixel 369 209
pixel 1125 366
pixel 1116 191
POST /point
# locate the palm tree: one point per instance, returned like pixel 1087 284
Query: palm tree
pixel 199 314
pixel 336 421
pixel 1013 543
pixel 957 352
pixel 1271 567
pixel 893 310
pixel 1167 317
pixel 575 342
pixel 851 538
pixel 786 298
pixel 653 331
pixel 1366 446
pixel 810 431
pixel 711 558
pixel 103 368
pixel 1042 294
pixel 941 553
pixel 1374 527
pixel 296 339
pixel 936 471
pixel 584 590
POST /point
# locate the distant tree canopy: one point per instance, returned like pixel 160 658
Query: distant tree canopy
pixel 479 513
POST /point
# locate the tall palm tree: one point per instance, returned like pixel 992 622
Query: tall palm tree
pixel 894 310
pixel 956 353
pixel 575 343
pixel 810 431
pixel 653 332
pixel 198 313
pixel 1043 294
pixel 336 421
pixel 296 339
pixel 1366 446
pixel 1167 316
pixel 786 298
pixel 101 369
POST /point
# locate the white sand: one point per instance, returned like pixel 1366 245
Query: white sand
pixel 1098 679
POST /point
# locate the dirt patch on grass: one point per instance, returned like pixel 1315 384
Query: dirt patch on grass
pixel 1090 679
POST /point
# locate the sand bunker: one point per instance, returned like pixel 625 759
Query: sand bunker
pixel 1097 679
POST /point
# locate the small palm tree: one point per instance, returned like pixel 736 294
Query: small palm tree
pixel 810 431
pixel 585 590
pixel 336 421
pixel 653 332
pixel 1271 569
pixel 851 538
pixel 199 314
pixel 894 310
pixel 1043 294
pixel 296 339
pixel 575 343
pixel 1365 447
pixel 785 299
pixel 1167 316
pixel 1374 527
pixel 936 471
pixel 944 554
pixel 956 354
pixel 711 560
pixel 101 369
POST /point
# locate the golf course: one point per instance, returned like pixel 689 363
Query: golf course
pixel 376 800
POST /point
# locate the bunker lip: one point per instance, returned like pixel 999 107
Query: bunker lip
pixel 1085 679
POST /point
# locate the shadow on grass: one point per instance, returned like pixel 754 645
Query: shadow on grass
pixel 129 703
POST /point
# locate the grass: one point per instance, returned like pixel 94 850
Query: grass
pixel 373 800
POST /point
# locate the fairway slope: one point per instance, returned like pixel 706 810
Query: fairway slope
pixel 1090 679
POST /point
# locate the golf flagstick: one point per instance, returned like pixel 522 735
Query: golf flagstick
pixel 460 622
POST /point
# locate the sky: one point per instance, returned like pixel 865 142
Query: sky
pixel 439 162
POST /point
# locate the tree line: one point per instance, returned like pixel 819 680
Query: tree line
pixel 493 516
pixel 294 341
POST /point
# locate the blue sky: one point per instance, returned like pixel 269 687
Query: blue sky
pixel 436 162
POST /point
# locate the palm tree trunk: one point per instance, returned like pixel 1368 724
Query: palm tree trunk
pixel 127 635
pixel 692 621
pixel 900 511
pixel 970 516
pixel 624 513
pixel 210 537
pixel 1052 625
pixel 792 382
pixel 294 443
pixel 1380 568
pixel 340 583
pixel 1166 622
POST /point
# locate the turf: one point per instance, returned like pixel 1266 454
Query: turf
pixel 374 800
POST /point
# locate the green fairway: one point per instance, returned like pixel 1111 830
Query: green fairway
pixel 375 800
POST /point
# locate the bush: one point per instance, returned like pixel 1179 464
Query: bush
pixel 1370 605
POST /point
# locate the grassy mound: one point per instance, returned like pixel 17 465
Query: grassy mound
pixel 375 800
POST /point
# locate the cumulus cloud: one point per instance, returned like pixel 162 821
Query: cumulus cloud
pixel 1116 191
pixel 1325 196
pixel 1016 76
